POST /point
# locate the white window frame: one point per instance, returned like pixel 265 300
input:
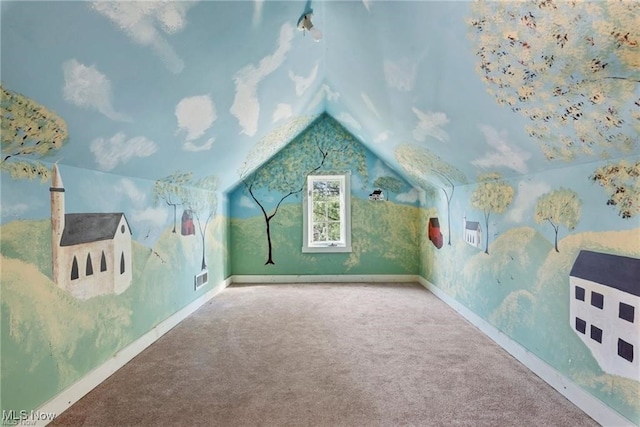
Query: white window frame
pixel 344 245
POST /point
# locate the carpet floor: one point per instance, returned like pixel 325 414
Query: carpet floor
pixel 324 355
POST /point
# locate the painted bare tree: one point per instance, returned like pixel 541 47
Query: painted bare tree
pixel 325 145
pixel 621 181
pixel 559 207
pixel 29 131
pixel 389 184
pixel 491 195
pixel 423 165
pixel 201 199
pixel 171 190
pixel 571 67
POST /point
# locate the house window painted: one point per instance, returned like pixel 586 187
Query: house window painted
pixel 596 333
pixel 89 267
pixel 327 214
pixel 625 350
pixel 626 312
pixel 597 299
pixel 103 262
pixel 122 263
pixel 74 269
pixel 579 293
pixel 581 325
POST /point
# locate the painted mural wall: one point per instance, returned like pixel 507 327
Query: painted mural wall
pixel 266 210
pixel 91 262
pixel 519 278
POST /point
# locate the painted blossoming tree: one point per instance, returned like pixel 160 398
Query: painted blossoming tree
pixel 492 195
pixel 621 181
pixel 324 146
pixel 422 165
pixel 559 207
pixel 199 197
pixel 29 130
pixel 572 68
pixel 171 190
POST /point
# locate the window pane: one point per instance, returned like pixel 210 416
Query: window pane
pixel 597 299
pixel 333 211
pixel 579 293
pixel 596 333
pixel 319 211
pixel 325 190
pixel 625 350
pixel 319 232
pixel 626 312
pixel 334 231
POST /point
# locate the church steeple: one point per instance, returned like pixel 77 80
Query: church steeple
pixel 57 219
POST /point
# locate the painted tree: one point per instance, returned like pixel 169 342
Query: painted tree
pixel 31 131
pixel 324 146
pixel 201 199
pixel 621 181
pixel 389 184
pixel 171 190
pixel 571 67
pixel 491 195
pixel 423 165
pixel 559 207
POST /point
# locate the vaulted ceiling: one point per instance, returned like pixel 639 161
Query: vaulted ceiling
pixel 150 88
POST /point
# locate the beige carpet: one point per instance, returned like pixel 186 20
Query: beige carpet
pixel 324 355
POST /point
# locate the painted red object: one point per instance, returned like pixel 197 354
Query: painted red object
pixel 434 232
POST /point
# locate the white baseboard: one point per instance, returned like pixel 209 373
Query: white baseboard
pixel 592 406
pixel 79 389
pixel 342 278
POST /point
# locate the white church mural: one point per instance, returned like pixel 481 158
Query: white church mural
pixel 91 252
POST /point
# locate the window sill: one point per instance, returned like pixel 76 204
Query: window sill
pixel 326 249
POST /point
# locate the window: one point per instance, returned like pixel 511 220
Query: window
pixel 579 293
pixel 581 325
pixel 89 268
pixel 597 300
pixel 74 269
pixel 596 334
pixel 122 263
pixel 626 312
pixel 327 214
pixel 103 262
pixel 625 350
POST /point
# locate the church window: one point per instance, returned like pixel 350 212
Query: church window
pixel 74 269
pixel 89 269
pixel 103 262
pixel 122 263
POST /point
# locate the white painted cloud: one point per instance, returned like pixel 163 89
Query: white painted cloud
pixel 132 192
pixel 282 112
pixel 381 137
pixel 246 107
pixel 430 124
pixel 367 4
pixel 257 12
pixel 118 149
pixel 195 115
pixel 401 75
pixel 191 146
pixel 367 101
pixel 528 193
pixel 246 202
pixel 145 23
pixel 324 94
pixel 410 196
pixel 155 217
pixel 303 83
pixel 348 120
pixel 13 210
pixel 88 88
pixel 505 155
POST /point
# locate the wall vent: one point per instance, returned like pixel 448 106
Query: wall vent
pixel 201 279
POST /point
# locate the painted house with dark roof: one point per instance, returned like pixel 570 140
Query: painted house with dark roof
pixel 472 233
pixel 91 252
pixel 603 309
